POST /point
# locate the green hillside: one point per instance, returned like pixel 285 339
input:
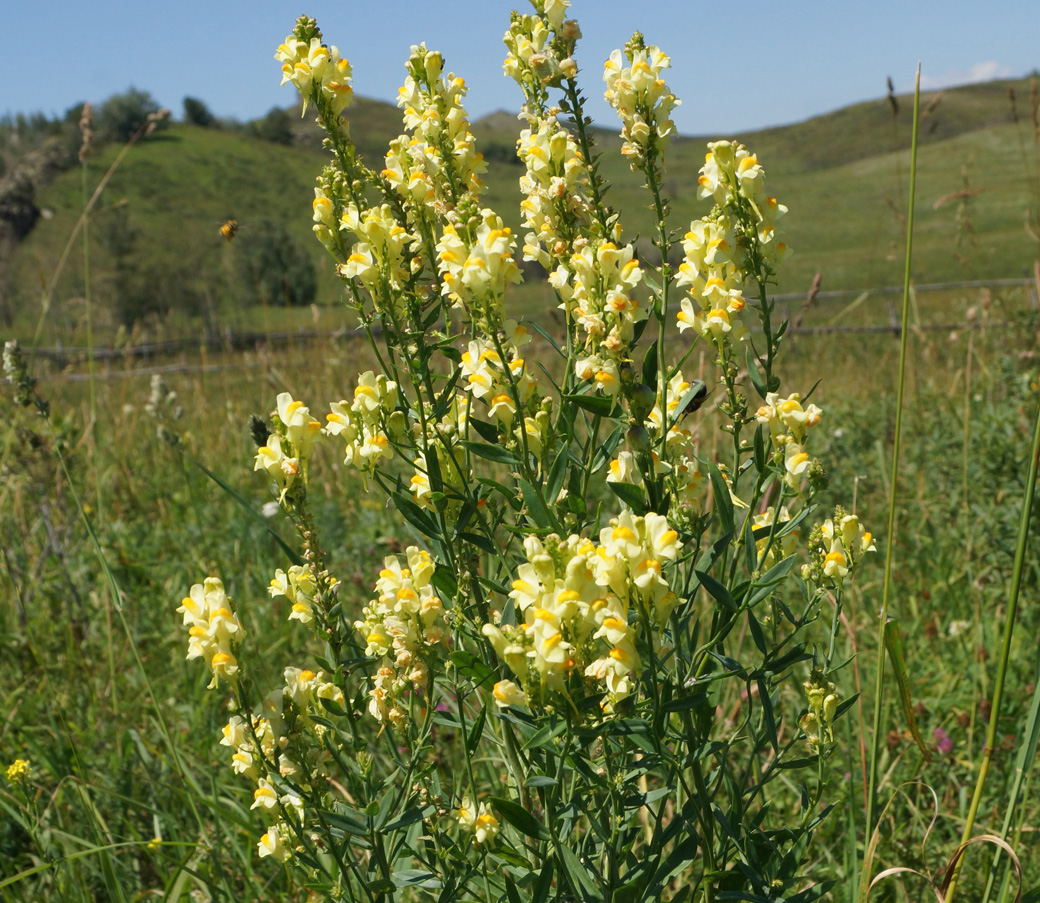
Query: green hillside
pixel 843 175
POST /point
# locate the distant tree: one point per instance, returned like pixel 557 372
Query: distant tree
pixel 275 127
pixel 123 114
pixel 197 113
pixel 273 266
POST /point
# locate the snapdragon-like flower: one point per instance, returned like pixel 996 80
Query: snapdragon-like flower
pixel 575 598
pixel 400 627
pixel 214 629
pixel 540 49
pixel 382 259
pixel 362 423
pixel 314 68
pixel 789 423
pixel 478 820
pixel 641 98
pixel 555 206
pixel 476 270
pixel 732 249
pixel 287 451
pixel 839 546
pixel 300 587
pixel 818 723
pixel 597 285
pixel 442 155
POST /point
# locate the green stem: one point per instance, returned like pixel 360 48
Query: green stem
pixel 879 686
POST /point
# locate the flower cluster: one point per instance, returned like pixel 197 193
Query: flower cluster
pixel 554 207
pixel 443 439
pixel 837 547
pixel 500 384
pixel 581 605
pixel 789 421
pixel 480 822
pixel 597 286
pixel 817 723
pixel 540 49
pixel 732 246
pixel 380 260
pixel 317 70
pixel 400 625
pixel 641 98
pixel 784 541
pixel 300 587
pixel 443 155
pixel 681 471
pixel 18 772
pixel 214 630
pixel 476 264
pixel 363 423
pixel 288 450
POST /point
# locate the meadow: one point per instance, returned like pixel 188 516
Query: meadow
pixel 140 479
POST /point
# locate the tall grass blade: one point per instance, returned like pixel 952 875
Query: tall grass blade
pixel 879 686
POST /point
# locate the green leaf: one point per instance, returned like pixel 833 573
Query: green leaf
pixel 444 582
pixel 580 880
pixel 409 817
pixel 469 665
pixel 349 820
pixel 723 500
pixel 481 542
pixel 630 495
pixel 557 474
pixel 512 894
pixel 761 460
pixel 433 470
pixel 492 452
pixel 477 731
pixel 600 405
pixel 755 374
pixel 544 735
pixel 415 515
pixel 756 633
pixel 691 400
pixel 487 431
pixel 716 590
pixel 516 815
pixel 650 366
pixel 894 645
pixel 544 883
pixel 768 717
pixel 547 338
pixel 537 509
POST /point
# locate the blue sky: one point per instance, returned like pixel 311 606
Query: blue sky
pixel 735 66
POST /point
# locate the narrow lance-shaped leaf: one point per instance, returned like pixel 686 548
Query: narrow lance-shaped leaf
pixel 896 654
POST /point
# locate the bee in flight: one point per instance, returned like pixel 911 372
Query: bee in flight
pixel 228 228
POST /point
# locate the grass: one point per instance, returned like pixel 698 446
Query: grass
pixel 77 705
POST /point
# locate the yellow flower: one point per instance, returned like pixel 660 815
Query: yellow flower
pixel 18 771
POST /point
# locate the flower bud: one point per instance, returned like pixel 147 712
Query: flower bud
pixel 638 439
pixel 641 401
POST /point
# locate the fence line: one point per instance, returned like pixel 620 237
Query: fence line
pixel 245 341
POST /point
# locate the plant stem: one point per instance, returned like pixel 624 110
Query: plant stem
pixel 879 685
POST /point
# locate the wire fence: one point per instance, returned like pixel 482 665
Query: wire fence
pixel 132 356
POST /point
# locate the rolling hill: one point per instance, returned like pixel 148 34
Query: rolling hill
pixel 843 176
